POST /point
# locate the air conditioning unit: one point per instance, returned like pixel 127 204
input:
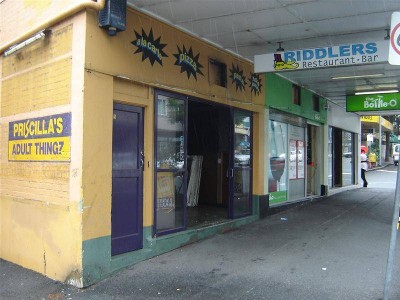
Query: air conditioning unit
pixel 113 16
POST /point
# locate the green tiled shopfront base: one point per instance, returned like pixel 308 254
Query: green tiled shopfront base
pixel 98 262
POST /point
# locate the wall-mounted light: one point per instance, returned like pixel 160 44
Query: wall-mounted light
pixel 38 36
pixel 280 49
pixel 113 16
pixel 357 76
pixel 376 92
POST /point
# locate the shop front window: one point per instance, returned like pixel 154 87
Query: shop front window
pixel 347 158
pixel 242 168
pixel 278 162
pixel 170 163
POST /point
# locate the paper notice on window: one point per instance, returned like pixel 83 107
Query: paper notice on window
pixel 292 160
pixel 300 159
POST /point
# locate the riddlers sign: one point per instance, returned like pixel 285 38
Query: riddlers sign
pixel 374 102
pixel 40 139
pixel 323 57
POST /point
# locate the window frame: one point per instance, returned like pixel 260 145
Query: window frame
pixel 316 103
pixel 218 74
pixel 296 95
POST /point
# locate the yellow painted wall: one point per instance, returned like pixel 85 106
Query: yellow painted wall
pixel 40 221
pixel 110 58
pixel 38 76
pixel 117 58
pixel 49 208
pixel 18 16
pixel 100 93
pixel 97 154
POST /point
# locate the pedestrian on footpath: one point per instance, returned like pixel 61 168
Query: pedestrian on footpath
pixel 364 167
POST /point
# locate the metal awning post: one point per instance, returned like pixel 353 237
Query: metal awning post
pixel 380 140
pixel 393 237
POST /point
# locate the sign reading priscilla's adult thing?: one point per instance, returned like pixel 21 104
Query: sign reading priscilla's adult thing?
pixel 323 57
pixel 373 102
pixel 40 139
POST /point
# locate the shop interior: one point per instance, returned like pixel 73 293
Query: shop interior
pixel 208 162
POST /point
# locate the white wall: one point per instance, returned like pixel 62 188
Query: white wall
pixel 339 118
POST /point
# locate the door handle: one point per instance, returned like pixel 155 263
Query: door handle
pixel 141 161
pixel 229 173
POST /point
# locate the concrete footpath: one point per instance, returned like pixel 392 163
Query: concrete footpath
pixel 328 248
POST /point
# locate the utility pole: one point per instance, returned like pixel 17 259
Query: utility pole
pixel 380 140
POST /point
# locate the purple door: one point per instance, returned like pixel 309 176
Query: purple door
pixel 127 178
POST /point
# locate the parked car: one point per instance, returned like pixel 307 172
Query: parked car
pixel 396 151
pixel 242 157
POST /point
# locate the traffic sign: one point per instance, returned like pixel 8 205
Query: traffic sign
pixel 394 49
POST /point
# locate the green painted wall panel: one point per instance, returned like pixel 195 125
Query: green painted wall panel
pixel 279 96
pixel 277 197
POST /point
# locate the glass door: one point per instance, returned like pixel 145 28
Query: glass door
pixel 171 167
pixel 297 140
pixel 347 158
pixel 330 157
pixel 241 173
pixel 278 162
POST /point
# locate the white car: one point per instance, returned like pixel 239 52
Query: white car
pixel 242 158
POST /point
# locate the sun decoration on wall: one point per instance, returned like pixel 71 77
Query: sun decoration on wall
pixel 255 83
pixel 237 77
pixel 188 62
pixel 150 48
